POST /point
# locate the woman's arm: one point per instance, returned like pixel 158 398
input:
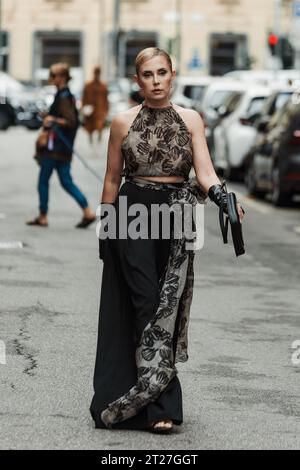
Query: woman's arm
pixel 114 166
pixel 67 113
pixel 204 169
pixel 205 172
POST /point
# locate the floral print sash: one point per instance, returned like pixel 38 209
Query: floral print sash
pixel 154 355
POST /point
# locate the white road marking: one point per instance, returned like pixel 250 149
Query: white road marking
pixel 2 215
pixel 11 245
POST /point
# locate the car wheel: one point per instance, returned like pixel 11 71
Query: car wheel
pixel 250 181
pixel 278 196
pixel 4 121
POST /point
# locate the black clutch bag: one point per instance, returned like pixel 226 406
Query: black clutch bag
pixel 233 218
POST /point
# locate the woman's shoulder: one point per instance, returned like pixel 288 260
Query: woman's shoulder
pixel 122 121
pixel 191 117
pixel 187 113
pixel 125 117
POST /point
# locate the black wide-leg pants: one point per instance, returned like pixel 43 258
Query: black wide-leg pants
pixel 129 299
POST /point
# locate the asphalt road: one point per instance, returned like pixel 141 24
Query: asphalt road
pixel 240 385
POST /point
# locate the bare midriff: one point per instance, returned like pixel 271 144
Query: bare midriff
pixel 164 179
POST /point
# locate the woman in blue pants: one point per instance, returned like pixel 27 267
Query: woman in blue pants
pixel 60 127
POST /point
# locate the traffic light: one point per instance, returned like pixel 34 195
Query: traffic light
pixel 273 40
pixel 280 47
pixel 287 53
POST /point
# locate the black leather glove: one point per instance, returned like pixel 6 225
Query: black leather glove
pixel 218 195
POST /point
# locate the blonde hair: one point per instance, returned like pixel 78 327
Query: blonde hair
pixel 149 53
pixel 61 68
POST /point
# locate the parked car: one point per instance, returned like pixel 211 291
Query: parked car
pixel 215 95
pixel 273 164
pixel 25 101
pixel 276 101
pixel 236 133
pixel 118 99
pixel 265 77
pixel 189 90
pixel 7 114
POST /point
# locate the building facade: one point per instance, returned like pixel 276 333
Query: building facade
pixel 203 36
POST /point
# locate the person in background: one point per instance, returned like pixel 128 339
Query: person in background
pixel 54 147
pixel 95 105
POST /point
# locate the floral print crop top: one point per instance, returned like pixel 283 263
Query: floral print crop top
pixel 158 143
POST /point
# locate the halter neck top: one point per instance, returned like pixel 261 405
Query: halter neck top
pixel 158 143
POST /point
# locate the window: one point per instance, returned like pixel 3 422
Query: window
pixel 255 106
pixel 219 97
pixel 63 49
pixel 228 51
pixel 281 99
pixel 194 92
pixel 134 43
pixel 278 116
pixel 232 102
pixel 4 51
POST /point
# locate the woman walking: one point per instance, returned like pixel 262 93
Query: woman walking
pixel 95 100
pixel 147 282
pixel 54 150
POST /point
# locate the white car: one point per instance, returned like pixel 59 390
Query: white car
pixel 189 90
pixel 9 86
pixel 235 134
pixel 266 77
pixel 216 93
pixel 214 96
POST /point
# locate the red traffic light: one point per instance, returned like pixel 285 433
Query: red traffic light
pixel 273 39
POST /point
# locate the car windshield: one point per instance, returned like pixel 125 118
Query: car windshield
pixel 275 102
pixel 278 116
pixel 232 102
pixel 281 99
pixel 291 117
pixel 194 92
pixel 255 105
pixel 219 97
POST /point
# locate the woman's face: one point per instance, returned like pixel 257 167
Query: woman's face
pixel 155 78
pixel 57 79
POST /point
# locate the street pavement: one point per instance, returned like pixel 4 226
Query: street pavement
pixel 240 384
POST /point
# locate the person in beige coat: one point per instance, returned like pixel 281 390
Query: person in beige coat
pixel 95 105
